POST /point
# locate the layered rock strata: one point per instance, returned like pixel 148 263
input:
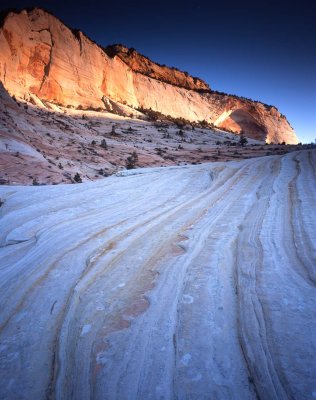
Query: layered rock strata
pixel 41 57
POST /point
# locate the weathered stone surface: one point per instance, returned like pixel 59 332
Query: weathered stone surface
pixel 42 57
pixel 139 63
pixel 162 284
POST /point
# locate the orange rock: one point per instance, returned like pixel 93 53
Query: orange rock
pixel 43 57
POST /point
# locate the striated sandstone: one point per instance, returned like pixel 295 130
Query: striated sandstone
pixel 139 63
pixel 42 57
pixel 166 283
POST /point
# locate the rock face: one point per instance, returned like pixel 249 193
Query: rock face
pixel 41 57
pixel 143 65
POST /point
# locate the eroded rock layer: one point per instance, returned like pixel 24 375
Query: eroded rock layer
pixel 42 57
pixel 170 283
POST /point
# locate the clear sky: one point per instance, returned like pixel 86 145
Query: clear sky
pixel 264 50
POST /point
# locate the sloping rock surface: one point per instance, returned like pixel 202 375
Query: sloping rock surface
pixel 179 282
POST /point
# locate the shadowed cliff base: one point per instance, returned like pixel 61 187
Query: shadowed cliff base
pixel 50 144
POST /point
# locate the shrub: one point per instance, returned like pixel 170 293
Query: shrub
pixel 131 160
pixel 77 178
pixel 243 140
pixel 204 124
pixel 104 144
pixel 156 115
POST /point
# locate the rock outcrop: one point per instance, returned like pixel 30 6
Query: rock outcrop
pixel 141 64
pixel 42 58
pixel 162 284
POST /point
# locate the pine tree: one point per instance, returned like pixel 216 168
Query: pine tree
pixel 131 160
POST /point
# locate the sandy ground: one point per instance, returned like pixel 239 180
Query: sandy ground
pixel 191 282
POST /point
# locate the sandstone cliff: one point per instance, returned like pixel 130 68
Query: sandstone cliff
pixel 42 58
pixel 145 66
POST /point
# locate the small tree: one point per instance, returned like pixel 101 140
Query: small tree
pixel 243 140
pixel 203 124
pixel 77 178
pixel 104 144
pixel 131 160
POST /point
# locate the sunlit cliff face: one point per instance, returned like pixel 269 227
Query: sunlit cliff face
pixel 43 59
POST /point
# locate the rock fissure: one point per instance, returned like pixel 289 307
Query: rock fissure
pixel 48 65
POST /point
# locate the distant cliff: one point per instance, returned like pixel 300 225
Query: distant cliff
pixel 40 56
pixel 145 66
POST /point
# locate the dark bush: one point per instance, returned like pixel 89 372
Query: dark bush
pixel 104 144
pixel 131 160
pixel 242 140
pixel 77 178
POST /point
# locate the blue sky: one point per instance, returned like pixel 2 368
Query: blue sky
pixel 264 50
